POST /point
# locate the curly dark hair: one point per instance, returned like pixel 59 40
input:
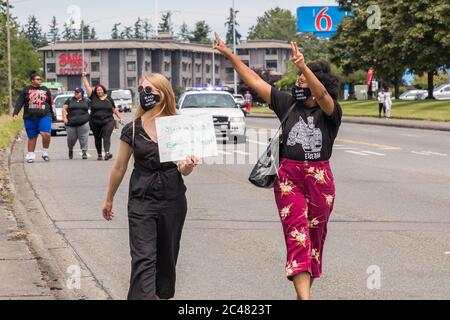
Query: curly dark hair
pixel 322 71
pixel 33 74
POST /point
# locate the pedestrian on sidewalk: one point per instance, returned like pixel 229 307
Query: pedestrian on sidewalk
pixel 76 118
pixel 37 116
pixel 157 204
pixel 381 100
pixel 101 121
pixel 387 103
pixel 304 191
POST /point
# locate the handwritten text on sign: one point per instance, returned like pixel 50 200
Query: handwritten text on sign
pixel 180 136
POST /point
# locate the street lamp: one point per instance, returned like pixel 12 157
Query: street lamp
pixel 234 46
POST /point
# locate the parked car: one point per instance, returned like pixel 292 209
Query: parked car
pixel 123 100
pixel 442 92
pixel 229 120
pixel 240 100
pixel 414 95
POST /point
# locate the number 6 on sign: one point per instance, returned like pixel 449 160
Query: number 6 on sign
pixel 180 136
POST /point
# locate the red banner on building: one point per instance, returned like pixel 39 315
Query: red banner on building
pixel 70 64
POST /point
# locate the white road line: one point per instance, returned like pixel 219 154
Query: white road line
pixel 429 153
pixel 224 152
pixel 447 253
pixel 242 153
pixel 375 153
pixel 259 142
pixel 345 148
pixel 357 153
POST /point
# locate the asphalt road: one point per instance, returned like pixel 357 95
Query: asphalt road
pixel 391 212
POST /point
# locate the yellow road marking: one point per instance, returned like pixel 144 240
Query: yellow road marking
pixel 363 143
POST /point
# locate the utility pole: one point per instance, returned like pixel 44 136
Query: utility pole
pixel 234 46
pixel 82 46
pixel 214 67
pixel 156 18
pixel 8 44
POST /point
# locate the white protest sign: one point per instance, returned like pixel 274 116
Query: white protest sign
pixel 181 135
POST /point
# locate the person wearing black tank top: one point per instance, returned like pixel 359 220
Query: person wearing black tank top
pixel 101 121
pixel 157 204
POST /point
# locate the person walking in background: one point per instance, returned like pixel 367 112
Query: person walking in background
pixel 101 121
pixel 37 116
pixel 76 118
pixel 304 190
pixel 381 100
pixel 387 103
pixel 248 101
pixel 157 203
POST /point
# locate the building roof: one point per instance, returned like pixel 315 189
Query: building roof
pixel 156 44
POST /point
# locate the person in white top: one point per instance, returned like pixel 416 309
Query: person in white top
pixel 387 104
pixel 381 99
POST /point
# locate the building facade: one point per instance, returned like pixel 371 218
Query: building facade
pixel 119 64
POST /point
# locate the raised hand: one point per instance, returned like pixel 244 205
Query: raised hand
pixel 297 57
pixel 220 45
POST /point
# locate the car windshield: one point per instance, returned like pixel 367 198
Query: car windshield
pixel 209 101
pixel 124 95
pixel 59 101
pixel 440 87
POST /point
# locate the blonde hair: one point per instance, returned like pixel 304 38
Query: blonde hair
pixel 167 103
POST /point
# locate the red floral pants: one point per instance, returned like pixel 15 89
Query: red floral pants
pixel 304 193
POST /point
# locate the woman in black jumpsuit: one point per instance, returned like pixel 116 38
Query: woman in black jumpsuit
pixel 157 203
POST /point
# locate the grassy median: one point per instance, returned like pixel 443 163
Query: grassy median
pixel 8 130
pixel 420 110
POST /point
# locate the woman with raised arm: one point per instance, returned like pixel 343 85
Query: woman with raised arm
pixel 304 190
pixel 157 204
pixel 101 121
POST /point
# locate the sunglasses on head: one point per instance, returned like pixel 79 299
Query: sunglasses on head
pixel 147 89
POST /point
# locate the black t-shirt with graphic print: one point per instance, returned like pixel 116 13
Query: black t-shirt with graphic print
pixel 309 133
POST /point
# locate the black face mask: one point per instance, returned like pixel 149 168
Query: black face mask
pixel 301 94
pixel 148 101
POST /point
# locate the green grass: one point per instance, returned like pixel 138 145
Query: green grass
pixel 8 130
pixel 419 110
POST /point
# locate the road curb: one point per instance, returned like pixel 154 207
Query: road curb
pixel 47 242
pixel 399 123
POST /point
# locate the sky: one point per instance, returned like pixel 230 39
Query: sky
pixel 103 13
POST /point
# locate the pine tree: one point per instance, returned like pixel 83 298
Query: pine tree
pixel 115 33
pixel 69 32
pixel 201 33
pixel 229 25
pixel 33 31
pixel 138 34
pixel 53 34
pixel 184 32
pixel 127 33
pixel 166 24
pixel 147 29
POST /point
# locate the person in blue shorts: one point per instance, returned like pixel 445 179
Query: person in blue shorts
pixel 36 102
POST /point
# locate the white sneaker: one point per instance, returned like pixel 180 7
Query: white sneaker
pixel 30 157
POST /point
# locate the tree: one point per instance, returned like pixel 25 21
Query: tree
pixel 412 36
pixel 33 31
pixel 166 23
pixel 277 24
pixel 184 32
pixel 147 29
pixel 23 57
pixel 127 33
pixel 138 33
pixel 69 33
pixel 229 25
pixel 440 77
pixel 115 33
pixel 358 47
pixel 201 33
pixel 53 33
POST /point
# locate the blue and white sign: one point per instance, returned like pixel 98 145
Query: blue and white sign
pixel 322 21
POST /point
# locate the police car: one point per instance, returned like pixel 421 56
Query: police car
pixel 229 120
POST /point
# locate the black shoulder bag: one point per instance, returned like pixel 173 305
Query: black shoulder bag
pixel 266 169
